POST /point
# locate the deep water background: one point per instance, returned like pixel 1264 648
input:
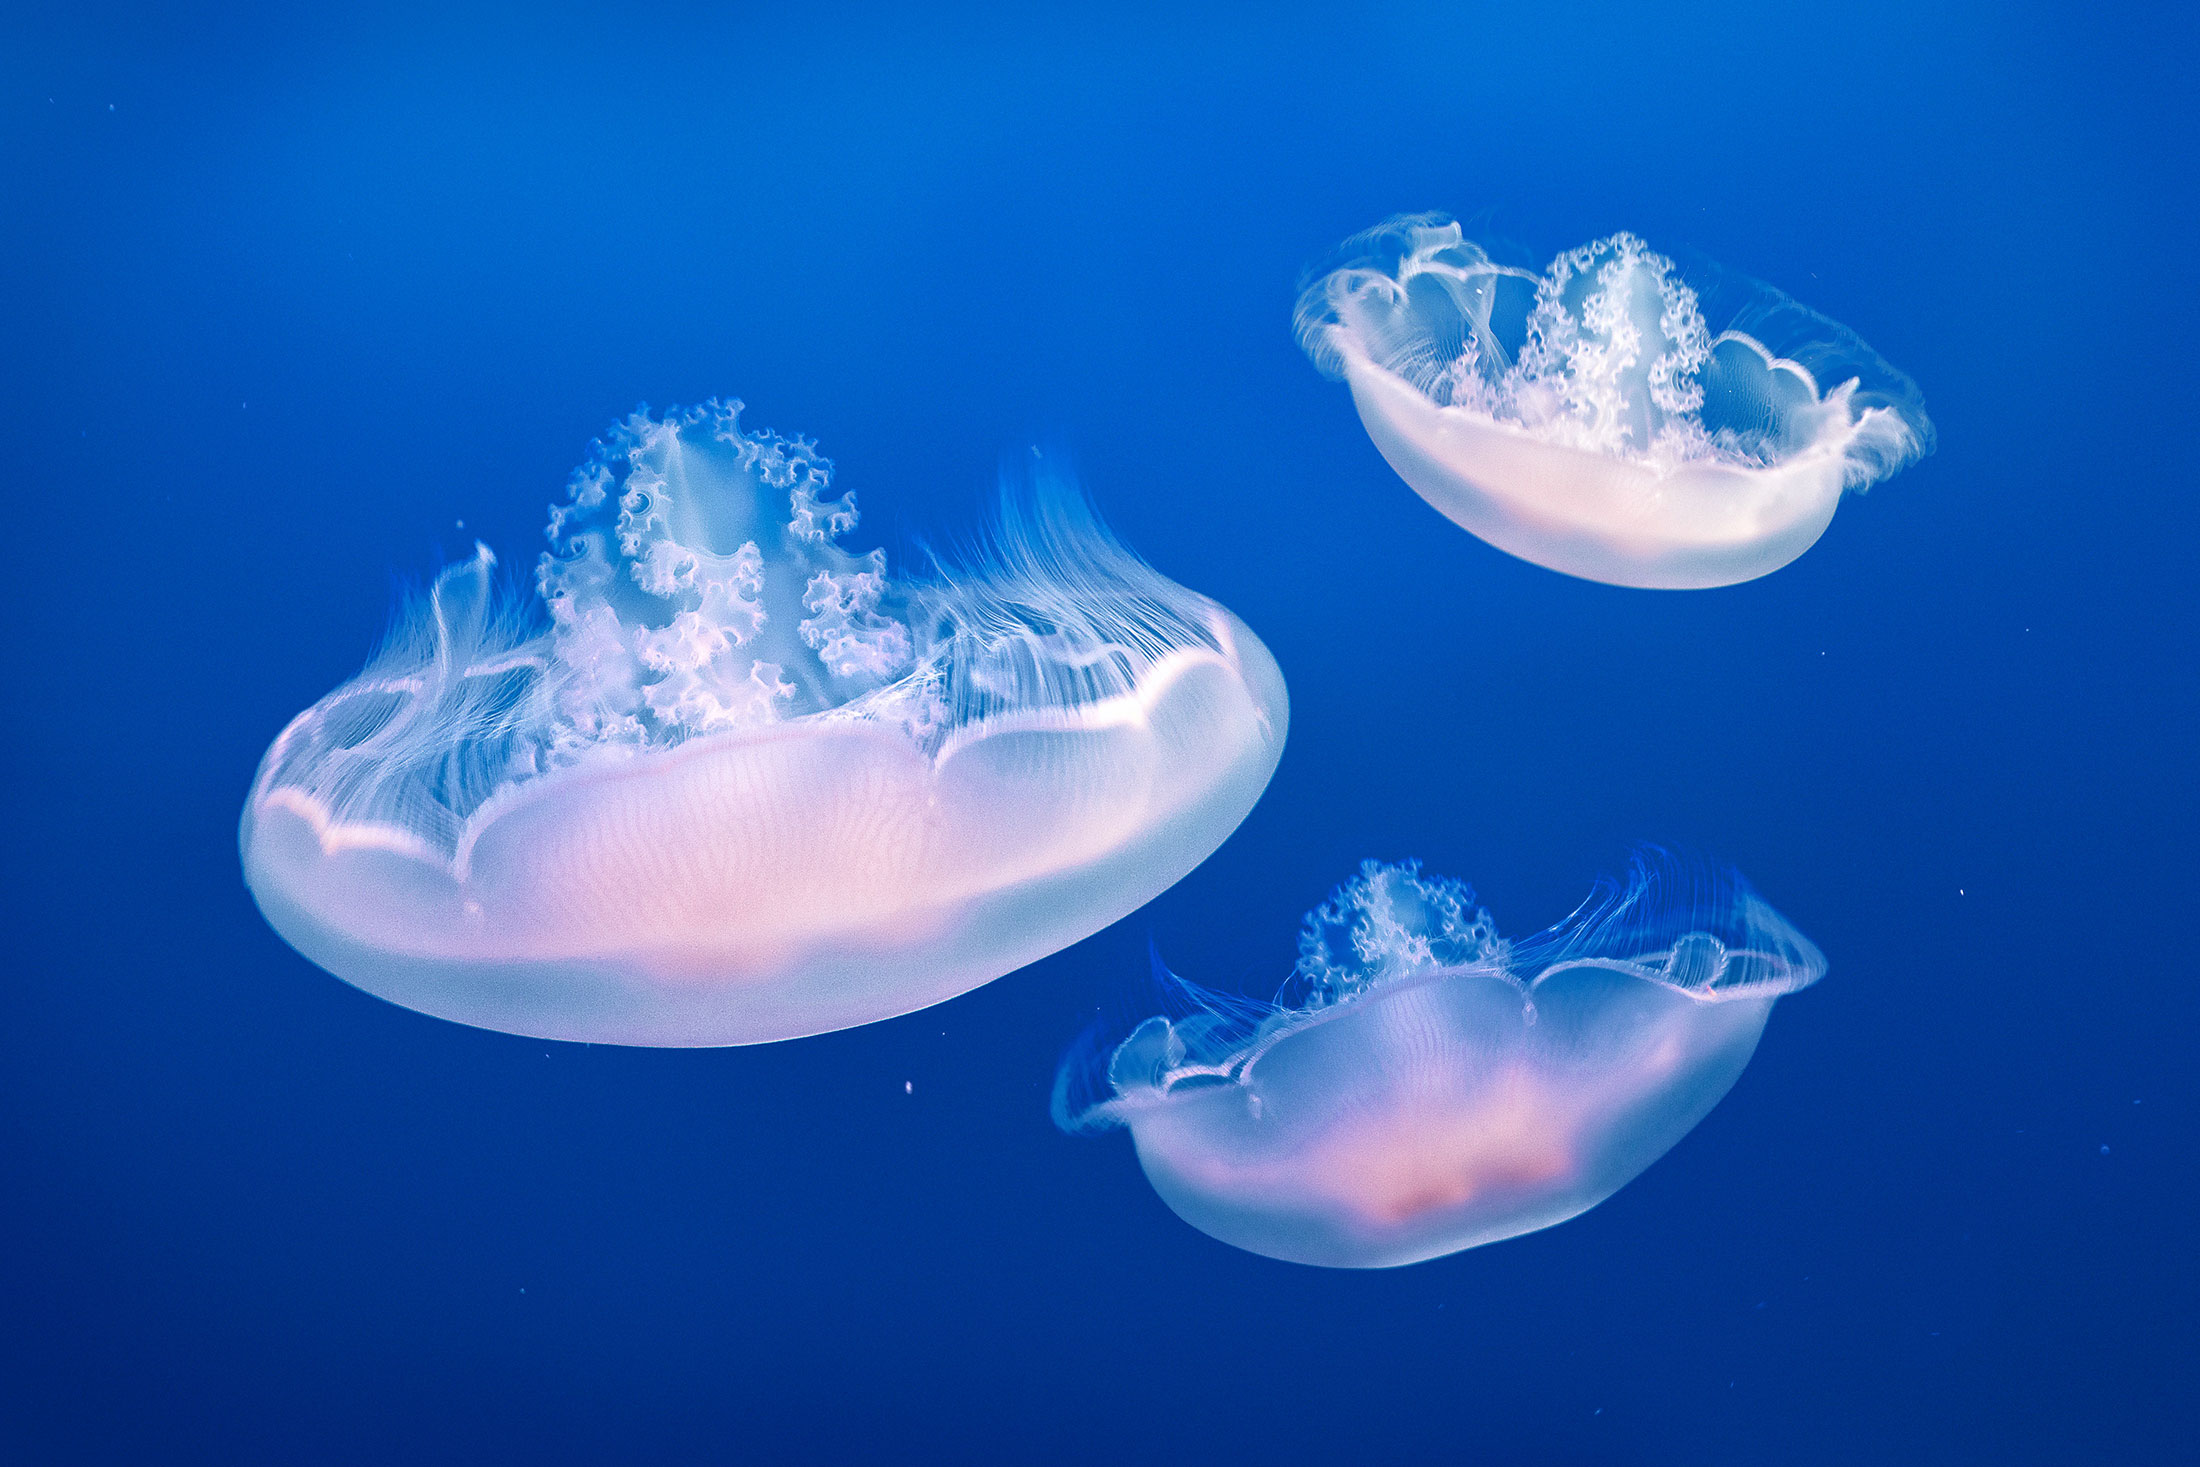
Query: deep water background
pixel 285 297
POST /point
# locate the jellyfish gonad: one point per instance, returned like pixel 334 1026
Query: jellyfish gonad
pixel 1610 416
pixel 728 782
pixel 1423 1086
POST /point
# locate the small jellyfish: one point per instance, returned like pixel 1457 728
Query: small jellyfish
pixel 1423 1085
pixel 1591 419
pixel 728 782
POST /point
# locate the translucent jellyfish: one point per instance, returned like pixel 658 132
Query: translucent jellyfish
pixel 1591 418
pixel 1423 1085
pixel 729 782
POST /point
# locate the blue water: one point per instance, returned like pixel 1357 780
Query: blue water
pixel 294 305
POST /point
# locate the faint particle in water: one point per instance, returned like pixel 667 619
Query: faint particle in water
pixel 1609 415
pixel 1422 1085
pixel 727 782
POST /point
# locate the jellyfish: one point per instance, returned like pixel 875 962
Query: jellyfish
pixel 723 780
pixel 1592 418
pixel 1423 1085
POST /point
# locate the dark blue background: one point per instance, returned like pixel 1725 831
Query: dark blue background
pixel 287 293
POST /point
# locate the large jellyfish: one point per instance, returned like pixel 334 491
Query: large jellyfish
pixel 1605 417
pixel 739 785
pixel 1423 1085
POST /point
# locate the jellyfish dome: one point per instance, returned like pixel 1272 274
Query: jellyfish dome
pixel 1605 416
pixel 728 782
pixel 1423 1085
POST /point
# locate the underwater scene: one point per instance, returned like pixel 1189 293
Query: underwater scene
pixel 768 734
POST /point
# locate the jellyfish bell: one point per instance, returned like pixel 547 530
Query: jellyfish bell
pixel 729 782
pixel 1424 1086
pixel 1605 416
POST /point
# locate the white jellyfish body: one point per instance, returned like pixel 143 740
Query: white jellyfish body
pixel 1431 1087
pixel 1591 419
pixel 744 787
